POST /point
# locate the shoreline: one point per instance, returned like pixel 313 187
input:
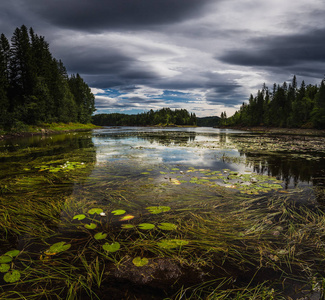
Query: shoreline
pixel 49 129
pixel 277 130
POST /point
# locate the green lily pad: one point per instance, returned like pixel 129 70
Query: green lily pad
pixel 79 217
pixel 12 276
pixel 4 268
pixel 167 226
pixel 157 209
pixel 95 211
pixel 127 226
pixel 146 226
pixel 140 262
pixel 12 253
pixel 111 247
pixel 100 236
pixel 5 259
pixel 90 226
pixel 172 243
pixel 118 212
pixel 57 248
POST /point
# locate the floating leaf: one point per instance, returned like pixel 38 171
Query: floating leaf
pixel 118 212
pixel 4 268
pixel 100 236
pixel 146 226
pixel 175 181
pixel 111 247
pixel 157 209
pixel 140 262
pixel 79 217
pixel 12 253
pixel 127 226
pixel 12 276
pixel 57 248
pixel 5 259
pixel 167 226
pixel 172 243
pixel 91 226
pixel 126 218
pixel 95 211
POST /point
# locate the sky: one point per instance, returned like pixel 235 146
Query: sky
pixel 206 56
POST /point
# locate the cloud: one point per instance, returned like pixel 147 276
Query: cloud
pixel 97 15
pixel 279 51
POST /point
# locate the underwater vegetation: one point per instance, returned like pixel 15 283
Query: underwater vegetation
pixel 74 228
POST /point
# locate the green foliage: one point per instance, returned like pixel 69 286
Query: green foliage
pixel 100 236
pixel 163 117
pixel 111 247
pixel 57 248
pixel 12 276
pixel 157 209
pixel 146 226
pixel 95 211
pixel 118 212
pixel 286 106
pixel 35 87
pixel 140 262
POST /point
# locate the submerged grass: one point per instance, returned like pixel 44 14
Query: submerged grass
pixel 219 244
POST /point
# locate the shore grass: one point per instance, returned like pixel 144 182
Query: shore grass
pixel 46 128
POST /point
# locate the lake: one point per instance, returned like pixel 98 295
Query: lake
pixel 162 213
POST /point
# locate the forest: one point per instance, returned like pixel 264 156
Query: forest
pixel 286 106
pixel 35 87
pixel 162 117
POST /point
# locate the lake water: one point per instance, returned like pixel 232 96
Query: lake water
pixel 233 201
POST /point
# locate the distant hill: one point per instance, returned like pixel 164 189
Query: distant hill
pixel 208 121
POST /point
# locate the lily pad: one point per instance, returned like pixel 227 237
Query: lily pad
pixel 4 268
pixel 91 226
pixel 140 262
pixel 57 248
pixel 127 226
pixel 5 259
pixel 171 243
pixel 126 218
pixel 95 211
pixel 12 276
pixel 79 217
pixel 167 226
pixel 118 212
pixel 111 247
pixel 100 236
pixel 146 226
pixel 12 253
pixel 157 209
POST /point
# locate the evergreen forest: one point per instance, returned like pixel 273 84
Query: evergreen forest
pixel 35 87
pixel 162 117
pixel 287 105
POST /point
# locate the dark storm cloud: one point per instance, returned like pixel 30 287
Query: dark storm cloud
pixel 97 14
pixel 280 51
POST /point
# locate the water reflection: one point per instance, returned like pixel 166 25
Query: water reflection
pixel 207 148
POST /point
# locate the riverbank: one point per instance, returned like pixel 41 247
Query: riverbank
pixel 277 130
pixel 46 129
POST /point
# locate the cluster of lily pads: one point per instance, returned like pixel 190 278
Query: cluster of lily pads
pixel 11 275
pixel 246 182
pixel 114 246
pixel 66 167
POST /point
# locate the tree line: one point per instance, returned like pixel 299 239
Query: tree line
pixel 285 106
pixel 163 117
pixel 35 87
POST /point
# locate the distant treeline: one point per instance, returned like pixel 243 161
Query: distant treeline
pixel 35 87
pixel 286 106
pixel 208 121
pixel 163 117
